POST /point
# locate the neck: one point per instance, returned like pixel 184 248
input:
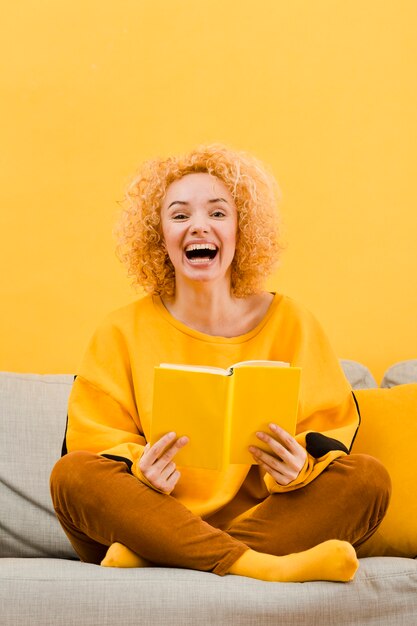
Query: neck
pixel 203 307
pixel 215 311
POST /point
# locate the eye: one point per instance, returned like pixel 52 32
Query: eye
pixel 218 213
pixel 179 217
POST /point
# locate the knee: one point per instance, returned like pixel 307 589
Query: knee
pixel 371 480
pixel 69 473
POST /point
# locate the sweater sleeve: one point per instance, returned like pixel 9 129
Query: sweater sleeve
pixel 328 417
pixel 102 413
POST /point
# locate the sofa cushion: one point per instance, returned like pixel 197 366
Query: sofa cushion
pixel 32 423
pixel 357 374
pixel 400 374
pixel 388 432
pixel 52 592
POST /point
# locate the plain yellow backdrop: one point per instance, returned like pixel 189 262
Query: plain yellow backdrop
pixel 323 91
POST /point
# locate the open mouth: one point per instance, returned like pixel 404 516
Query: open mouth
pixel 201 252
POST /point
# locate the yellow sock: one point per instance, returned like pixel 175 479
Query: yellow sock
pixel 120 556
pixel 332 560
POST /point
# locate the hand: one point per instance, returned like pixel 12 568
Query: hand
pixel 287 456
pixel 156 463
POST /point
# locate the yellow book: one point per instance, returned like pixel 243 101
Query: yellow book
pixel 221 410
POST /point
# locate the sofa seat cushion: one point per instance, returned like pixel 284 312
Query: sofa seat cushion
pixel 388 432
pixel 48 592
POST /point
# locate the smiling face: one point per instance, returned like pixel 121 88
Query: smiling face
pixel 199 226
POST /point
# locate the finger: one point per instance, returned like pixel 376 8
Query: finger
pixel 279 477
pixel 168 484
pixel 276 447
pixel 150 465
pixel 285 438
pixel 265 457
pixel 290 470
pixel 161 447
pixel 143 459
pixel 278 469
pixel 172 481
pixel 180 443
pixel 283 473
pixel 159 477
pixel 155 451
pixel 168 470
pixel 170 452
pixel 297 454
pixel 288 464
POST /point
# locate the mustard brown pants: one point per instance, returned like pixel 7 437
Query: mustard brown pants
pixel 98 502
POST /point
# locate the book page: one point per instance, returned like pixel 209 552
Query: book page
pixel 260 363
pixel 261 395
pixel 191 403
pixel 197 368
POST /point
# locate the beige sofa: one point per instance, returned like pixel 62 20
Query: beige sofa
pixel 43 583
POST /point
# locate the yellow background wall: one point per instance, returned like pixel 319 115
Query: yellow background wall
pixel 324 91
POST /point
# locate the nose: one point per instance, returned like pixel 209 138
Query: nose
pixel 199 225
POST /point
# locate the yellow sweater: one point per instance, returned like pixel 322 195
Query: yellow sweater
pixel 110 404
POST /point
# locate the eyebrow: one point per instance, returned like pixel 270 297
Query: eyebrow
pixel 212 201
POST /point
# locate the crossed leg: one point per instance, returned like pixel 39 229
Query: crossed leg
pixel 285 538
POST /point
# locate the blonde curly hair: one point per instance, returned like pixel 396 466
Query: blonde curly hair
pixel 255 194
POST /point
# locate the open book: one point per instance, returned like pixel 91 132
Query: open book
pixel 221 410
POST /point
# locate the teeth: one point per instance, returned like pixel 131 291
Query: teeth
pixel 200 246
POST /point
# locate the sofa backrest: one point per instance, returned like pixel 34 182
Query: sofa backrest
pixel 32 424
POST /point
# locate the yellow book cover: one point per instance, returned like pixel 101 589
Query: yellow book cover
pixel 220 410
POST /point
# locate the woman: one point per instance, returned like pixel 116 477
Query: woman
pixel 200 234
